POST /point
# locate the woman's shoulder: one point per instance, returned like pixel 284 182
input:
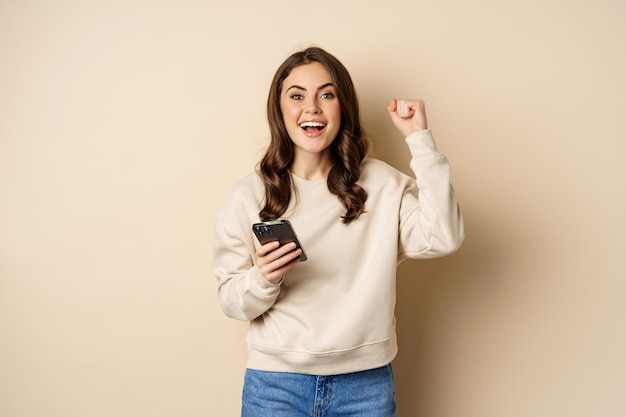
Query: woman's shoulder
pixel 374 164
pixel 250 180
pixel 373 169
pixel 247 189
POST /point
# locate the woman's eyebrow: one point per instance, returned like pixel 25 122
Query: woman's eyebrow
pixel 296 87
pixel 304 89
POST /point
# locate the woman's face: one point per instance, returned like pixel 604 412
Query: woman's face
pixel 310 108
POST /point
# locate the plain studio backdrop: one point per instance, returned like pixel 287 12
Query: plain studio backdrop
pixel 124 123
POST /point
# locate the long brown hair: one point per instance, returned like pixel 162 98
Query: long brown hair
pixel 347 150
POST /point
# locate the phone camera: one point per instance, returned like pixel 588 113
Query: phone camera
pixel 264 231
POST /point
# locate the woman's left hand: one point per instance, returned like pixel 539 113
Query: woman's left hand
pixel 408 115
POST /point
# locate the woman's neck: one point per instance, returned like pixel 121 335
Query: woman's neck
pixel 311 168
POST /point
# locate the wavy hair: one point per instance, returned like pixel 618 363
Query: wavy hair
pixel 347 151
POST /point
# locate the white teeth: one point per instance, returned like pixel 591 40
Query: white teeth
pixel 312 124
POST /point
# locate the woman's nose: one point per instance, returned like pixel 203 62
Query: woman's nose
pixel 313 107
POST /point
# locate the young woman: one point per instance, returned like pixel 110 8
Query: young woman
pixel 322 332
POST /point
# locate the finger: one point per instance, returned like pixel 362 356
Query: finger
pixel 263 250
pixel 406 109
pixel 403 110
pixel 392 106
pixel 285 268
pixel 273 269
pixel 275 254
pixel 286 261
pixel 277 275
pixel 282 251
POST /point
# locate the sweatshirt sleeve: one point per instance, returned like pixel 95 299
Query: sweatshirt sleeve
pixel 243 292
pixel 431 224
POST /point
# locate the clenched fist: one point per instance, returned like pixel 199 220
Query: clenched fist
pixel 408 115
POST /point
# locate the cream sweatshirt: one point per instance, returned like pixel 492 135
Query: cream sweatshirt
pixel 334 313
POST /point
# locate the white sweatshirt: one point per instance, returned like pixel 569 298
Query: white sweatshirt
pixel 334 313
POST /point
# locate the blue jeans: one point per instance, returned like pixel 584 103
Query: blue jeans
pixel 359 394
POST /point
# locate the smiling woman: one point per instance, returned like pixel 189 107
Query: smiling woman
pixel 332 86
pixel 312 117
pixel 314 334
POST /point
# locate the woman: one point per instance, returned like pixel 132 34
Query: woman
pixel 322 332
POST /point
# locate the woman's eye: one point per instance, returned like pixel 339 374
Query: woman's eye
pixel 296 97
pixel 328 95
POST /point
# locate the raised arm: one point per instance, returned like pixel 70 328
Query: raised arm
pixel 431 223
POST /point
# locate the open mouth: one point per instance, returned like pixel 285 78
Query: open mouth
pixel 312 127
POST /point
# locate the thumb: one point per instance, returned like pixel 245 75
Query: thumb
pixel 393 106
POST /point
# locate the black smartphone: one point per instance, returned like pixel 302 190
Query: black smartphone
pixel 279 230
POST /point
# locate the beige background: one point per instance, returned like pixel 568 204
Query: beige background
pixel 124 123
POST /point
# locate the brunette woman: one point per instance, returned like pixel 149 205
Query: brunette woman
pixel 322 332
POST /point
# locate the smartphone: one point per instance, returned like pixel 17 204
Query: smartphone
pixel 279 230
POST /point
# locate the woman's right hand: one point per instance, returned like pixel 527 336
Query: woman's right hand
pixel 274 260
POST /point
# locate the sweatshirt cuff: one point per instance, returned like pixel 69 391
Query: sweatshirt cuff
pixel 422 143
pixel 263 287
